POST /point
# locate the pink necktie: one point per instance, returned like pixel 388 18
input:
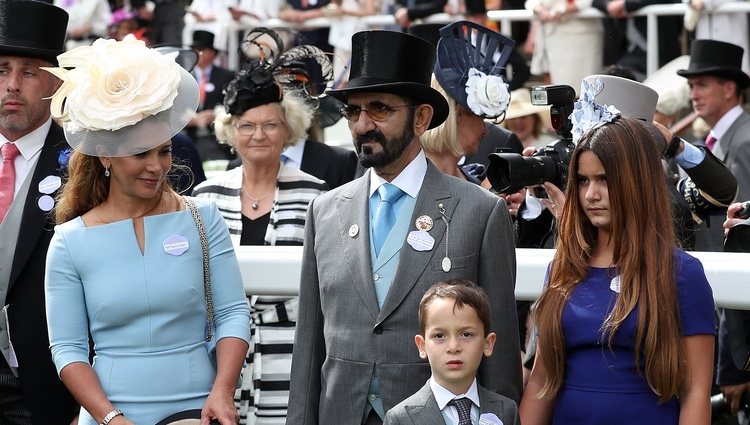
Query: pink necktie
pixel 202 88
pixel 7 178
pixel 710 142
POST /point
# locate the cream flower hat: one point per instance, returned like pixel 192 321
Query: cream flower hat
pixel 120 98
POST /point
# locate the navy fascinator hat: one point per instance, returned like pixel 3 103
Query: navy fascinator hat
pixel 470 62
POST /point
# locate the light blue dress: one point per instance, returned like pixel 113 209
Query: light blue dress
pixel 145 312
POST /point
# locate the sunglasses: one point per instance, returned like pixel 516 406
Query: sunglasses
pixel 376 110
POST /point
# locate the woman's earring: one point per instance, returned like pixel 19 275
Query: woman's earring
pixel 106 172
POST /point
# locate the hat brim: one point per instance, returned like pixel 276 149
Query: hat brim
pixel 736 75
pixel 44 54
pixel 418 92
pixel 524 110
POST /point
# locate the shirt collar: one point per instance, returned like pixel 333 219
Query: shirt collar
pixel 294 152
pixel 726 121
pixel 31 144
pixel 200 71
pixel 443 396
pixel 409 180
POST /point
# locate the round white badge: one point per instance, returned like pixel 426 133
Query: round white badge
pixel 353 230
pixel 46 203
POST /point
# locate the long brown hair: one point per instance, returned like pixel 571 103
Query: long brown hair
pixel 643 241
pixel 86 187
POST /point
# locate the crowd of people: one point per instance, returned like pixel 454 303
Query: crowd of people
pixel 125 297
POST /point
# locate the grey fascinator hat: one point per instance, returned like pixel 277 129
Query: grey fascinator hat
pixel 469 66
pixel 121 98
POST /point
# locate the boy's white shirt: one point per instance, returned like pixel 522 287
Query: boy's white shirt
pixel 443 396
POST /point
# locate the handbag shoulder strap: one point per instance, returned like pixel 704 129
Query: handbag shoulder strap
pixel 206 272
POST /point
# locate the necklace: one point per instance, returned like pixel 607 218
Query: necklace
pixel 254 205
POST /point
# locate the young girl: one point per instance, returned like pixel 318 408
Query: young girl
pixel 626 322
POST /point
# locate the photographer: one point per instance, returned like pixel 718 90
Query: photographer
pixel 708 187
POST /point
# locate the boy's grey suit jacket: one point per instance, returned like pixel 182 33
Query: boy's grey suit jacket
pixel 342 336
pixel 422 409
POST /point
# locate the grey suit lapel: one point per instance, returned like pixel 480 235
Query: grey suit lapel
pixel 352 208
pixel 412 263
pixel 726 140
pixel 492 403
pixel 424 409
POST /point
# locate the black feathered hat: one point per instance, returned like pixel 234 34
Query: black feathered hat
pixel 394 62
pixel 33 29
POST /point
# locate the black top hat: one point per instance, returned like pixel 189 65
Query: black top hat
pixel 394 62
pixel 32 29
pixel 203 40
pixel 427 31
pixel 711 57
pixel 465 47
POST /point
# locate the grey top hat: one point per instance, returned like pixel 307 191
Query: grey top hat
pixel 633 99
pixel 32 29
pixel 712 57
pixel 394 62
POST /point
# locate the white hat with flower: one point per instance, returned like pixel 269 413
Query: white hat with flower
pixel 121 98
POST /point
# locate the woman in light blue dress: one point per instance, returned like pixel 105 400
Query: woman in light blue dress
pixel 125 267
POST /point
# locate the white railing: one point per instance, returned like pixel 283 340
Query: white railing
pixel 505 17
pixel 271 270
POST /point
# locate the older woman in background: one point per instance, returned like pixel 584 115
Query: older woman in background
pixel 264 202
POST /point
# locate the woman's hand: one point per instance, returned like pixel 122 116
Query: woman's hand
pixel 555 200
pixel 220 407
pixel 514 201
pixel 732 218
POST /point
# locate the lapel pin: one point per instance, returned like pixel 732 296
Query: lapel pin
pixel 353 231
pixel 424 223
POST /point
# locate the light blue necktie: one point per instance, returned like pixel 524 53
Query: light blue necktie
pixel 384 217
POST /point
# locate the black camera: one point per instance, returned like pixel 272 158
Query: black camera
pixel 509 172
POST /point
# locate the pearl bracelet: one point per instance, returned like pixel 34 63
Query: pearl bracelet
pixel 111 415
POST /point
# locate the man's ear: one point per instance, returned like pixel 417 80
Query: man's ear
pixel 422 118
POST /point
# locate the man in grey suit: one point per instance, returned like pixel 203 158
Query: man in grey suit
pixel 716 82
pixel 367 262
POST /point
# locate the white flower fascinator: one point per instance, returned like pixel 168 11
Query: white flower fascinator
pixel 120 98
pixel 587 113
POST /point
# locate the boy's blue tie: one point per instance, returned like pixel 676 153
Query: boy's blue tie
pixel 463 406
pixel 384 218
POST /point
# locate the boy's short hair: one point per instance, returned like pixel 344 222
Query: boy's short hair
pixel 464 293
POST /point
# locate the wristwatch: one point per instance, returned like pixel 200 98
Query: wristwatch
pixel 673 146
pixel 111 415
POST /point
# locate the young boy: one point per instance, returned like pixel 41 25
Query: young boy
pixel 454 322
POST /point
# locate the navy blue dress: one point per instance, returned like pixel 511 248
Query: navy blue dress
pixel 603 385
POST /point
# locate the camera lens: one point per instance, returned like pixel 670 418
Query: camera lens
pixel 508 173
